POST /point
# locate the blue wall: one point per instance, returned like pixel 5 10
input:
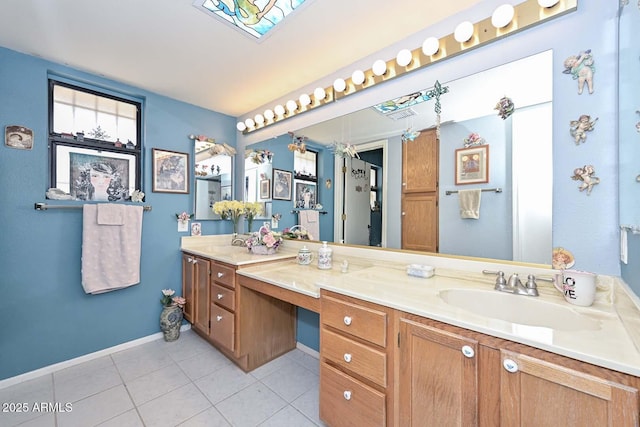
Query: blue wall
pixel 47 316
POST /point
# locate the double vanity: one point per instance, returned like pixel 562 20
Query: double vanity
pixel 398 350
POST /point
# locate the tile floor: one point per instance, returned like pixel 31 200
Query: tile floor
pixel 183 383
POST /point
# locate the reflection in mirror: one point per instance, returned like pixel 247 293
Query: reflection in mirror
pixel 213 179
pixel 514 224
pixel 257 180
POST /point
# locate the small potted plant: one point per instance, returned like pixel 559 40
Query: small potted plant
pixel 264 241
pixel 171 315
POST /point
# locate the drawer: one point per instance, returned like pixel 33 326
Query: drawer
pixel 358 358
pixel 223 275
pixel 222 327
pixel 223 296
pixel 357 320
pixel 345 401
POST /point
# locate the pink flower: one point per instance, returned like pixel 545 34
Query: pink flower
pixel 269 240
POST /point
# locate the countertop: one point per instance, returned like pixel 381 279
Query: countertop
pixel 459 294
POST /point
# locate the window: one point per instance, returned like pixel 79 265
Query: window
pixel 305 165
pixel 94 143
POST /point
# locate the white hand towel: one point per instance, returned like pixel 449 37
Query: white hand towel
pixel 110 214
pixel 624 254
pixel 309 221
pixel 469 203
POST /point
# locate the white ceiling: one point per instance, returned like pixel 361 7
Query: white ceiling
pixel 171 48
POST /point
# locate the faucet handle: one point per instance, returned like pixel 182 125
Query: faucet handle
pixel 500 280
pixel 531 286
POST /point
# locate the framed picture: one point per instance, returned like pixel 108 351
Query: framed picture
pixel 282 184
pixel 88 174
pixel 170 171
pixel 265 189
pixel 306 195
pixel 18 137
pixel 472 165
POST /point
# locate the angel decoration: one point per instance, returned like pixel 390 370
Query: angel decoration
pixel 586 175
pixel 297 143
pixel 581 68
pixel 409 135
pixel 341 149
pixel 505 107
pixel 580 127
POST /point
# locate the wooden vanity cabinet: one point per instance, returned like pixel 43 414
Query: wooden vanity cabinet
pixel 356 362
pixel 503 384
pixel 195 289
pixel 222 305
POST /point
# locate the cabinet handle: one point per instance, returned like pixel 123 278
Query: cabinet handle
pixel 404 213
pixel 220 296
pixel 347 357
pixel 190 260
pixel 195 261
pixel 510 365
pixel 220 275
pixel 468 351
pixel 218 318
pixel 347 320
pixel 347 395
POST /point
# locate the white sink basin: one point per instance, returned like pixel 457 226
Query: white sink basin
pixel 520 309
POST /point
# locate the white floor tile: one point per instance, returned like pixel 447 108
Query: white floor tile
pixel 203 363
pixel 145 363
pixel 82 383
pixel 209 418
pixel 306 360
pixel 28 392
pixel 155 384
pixel 251 406
pixel 288 417
pixel 174 407
pixel 291 381
pixel 224 382
pixel 97 408
pixel 309 405
pixel 128 419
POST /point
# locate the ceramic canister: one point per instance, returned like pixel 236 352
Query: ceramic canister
pixel 324 257
pixel 304 256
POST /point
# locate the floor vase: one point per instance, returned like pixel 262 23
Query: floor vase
pixel 170 322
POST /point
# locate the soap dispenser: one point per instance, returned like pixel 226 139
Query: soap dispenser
pixel 324 257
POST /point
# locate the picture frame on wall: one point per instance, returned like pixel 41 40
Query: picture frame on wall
pixel 306 194
pixel 472 165
pixel 265 189
pixel 170 171
pixel 18 137
pixel 282 184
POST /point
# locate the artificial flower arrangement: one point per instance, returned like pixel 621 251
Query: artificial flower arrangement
pixel 264 237
pixel 251 210
pixel 184 217
pixel 137 196
pixel 231 210
pixel 259 156
pixel 473 139
pixel 168 299
pixel 505 107
pixel 297 232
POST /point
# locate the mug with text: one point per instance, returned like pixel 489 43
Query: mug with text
pixel 578 287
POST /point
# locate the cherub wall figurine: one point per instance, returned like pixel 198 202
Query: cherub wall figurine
pixel 585 174
pixel 581 68
pixel 580 127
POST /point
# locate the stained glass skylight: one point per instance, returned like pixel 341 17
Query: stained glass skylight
pixel 255 18
pixel 402 102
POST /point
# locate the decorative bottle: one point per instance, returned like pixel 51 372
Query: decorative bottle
pixel 324 257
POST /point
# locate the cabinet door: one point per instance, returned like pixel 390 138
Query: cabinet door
pixel 188 289
pixel 438 377
pixel 201 274
pixel 222 327
pixel 420 222
pixel 538 393
pixel 420 163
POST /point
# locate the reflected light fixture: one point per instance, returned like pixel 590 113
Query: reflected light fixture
pixel 379 67
pixel 339 85
pixel 268 114
pixel 463 32
pixel 319 93
pixel 502 16
pixel 291 106
pixel 250 123
pixel 430 46
pixel 357 77
pixel 304 100
pixel 241 126
pixel 279 110
pixel 547 3
pixel 259 118
pixel 404 57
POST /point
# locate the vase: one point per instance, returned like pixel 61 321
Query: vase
pixel 263 250
pixel 170 322
pixel 249 224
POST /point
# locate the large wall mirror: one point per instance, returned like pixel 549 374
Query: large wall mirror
pixel 514 224
pixel 213 179
pixel 257 185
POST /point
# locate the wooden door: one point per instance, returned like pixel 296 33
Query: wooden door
pixel 420 193
pixel 202 294
pixel 438 382
pixel 538 393
pixel 188 289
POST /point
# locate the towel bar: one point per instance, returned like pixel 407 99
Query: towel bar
pixel 44 207
pixel 295 211
pixel 497 190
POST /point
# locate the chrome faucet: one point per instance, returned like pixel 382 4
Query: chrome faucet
pixel 514 285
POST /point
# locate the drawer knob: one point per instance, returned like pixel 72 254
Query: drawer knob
pixel 189 260
pixel 220 275
pixel 195 261
pixel 468 351
pixel 220 296
pixel 347 357
pixel 347 320
pixel 218 318
pixel 347 395
pixel 510 365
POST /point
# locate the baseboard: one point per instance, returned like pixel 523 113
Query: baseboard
pixel 311 352
pixel 81 359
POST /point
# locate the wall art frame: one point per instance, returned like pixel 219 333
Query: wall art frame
pixel 170 171
pixel 282 184
pixel 472 165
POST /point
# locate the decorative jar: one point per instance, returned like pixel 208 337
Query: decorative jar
pixel 170 322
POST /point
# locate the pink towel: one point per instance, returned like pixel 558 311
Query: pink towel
pixel 110 253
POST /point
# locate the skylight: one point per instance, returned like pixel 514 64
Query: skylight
pixel 402 102
pixel 255 18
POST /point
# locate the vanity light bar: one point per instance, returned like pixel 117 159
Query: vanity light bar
pixel 525 16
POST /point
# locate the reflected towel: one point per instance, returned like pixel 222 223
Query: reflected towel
pixel 110 253
pixel 110 214
pixel 309 221
pixel 469 203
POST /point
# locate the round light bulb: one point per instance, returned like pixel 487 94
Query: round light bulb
pixel 279 109
pixel 304 100
pixel 547 3
pixel 339 85
pixel 292 106
pixel 431 46
pixel 463 32
pixel 250 123
pixel 502 16
pixel 241 126
pixel 379 67
pixel 357 77
pixel 403 58
pixel 319 93
pixel 268 114
pixel 259 118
